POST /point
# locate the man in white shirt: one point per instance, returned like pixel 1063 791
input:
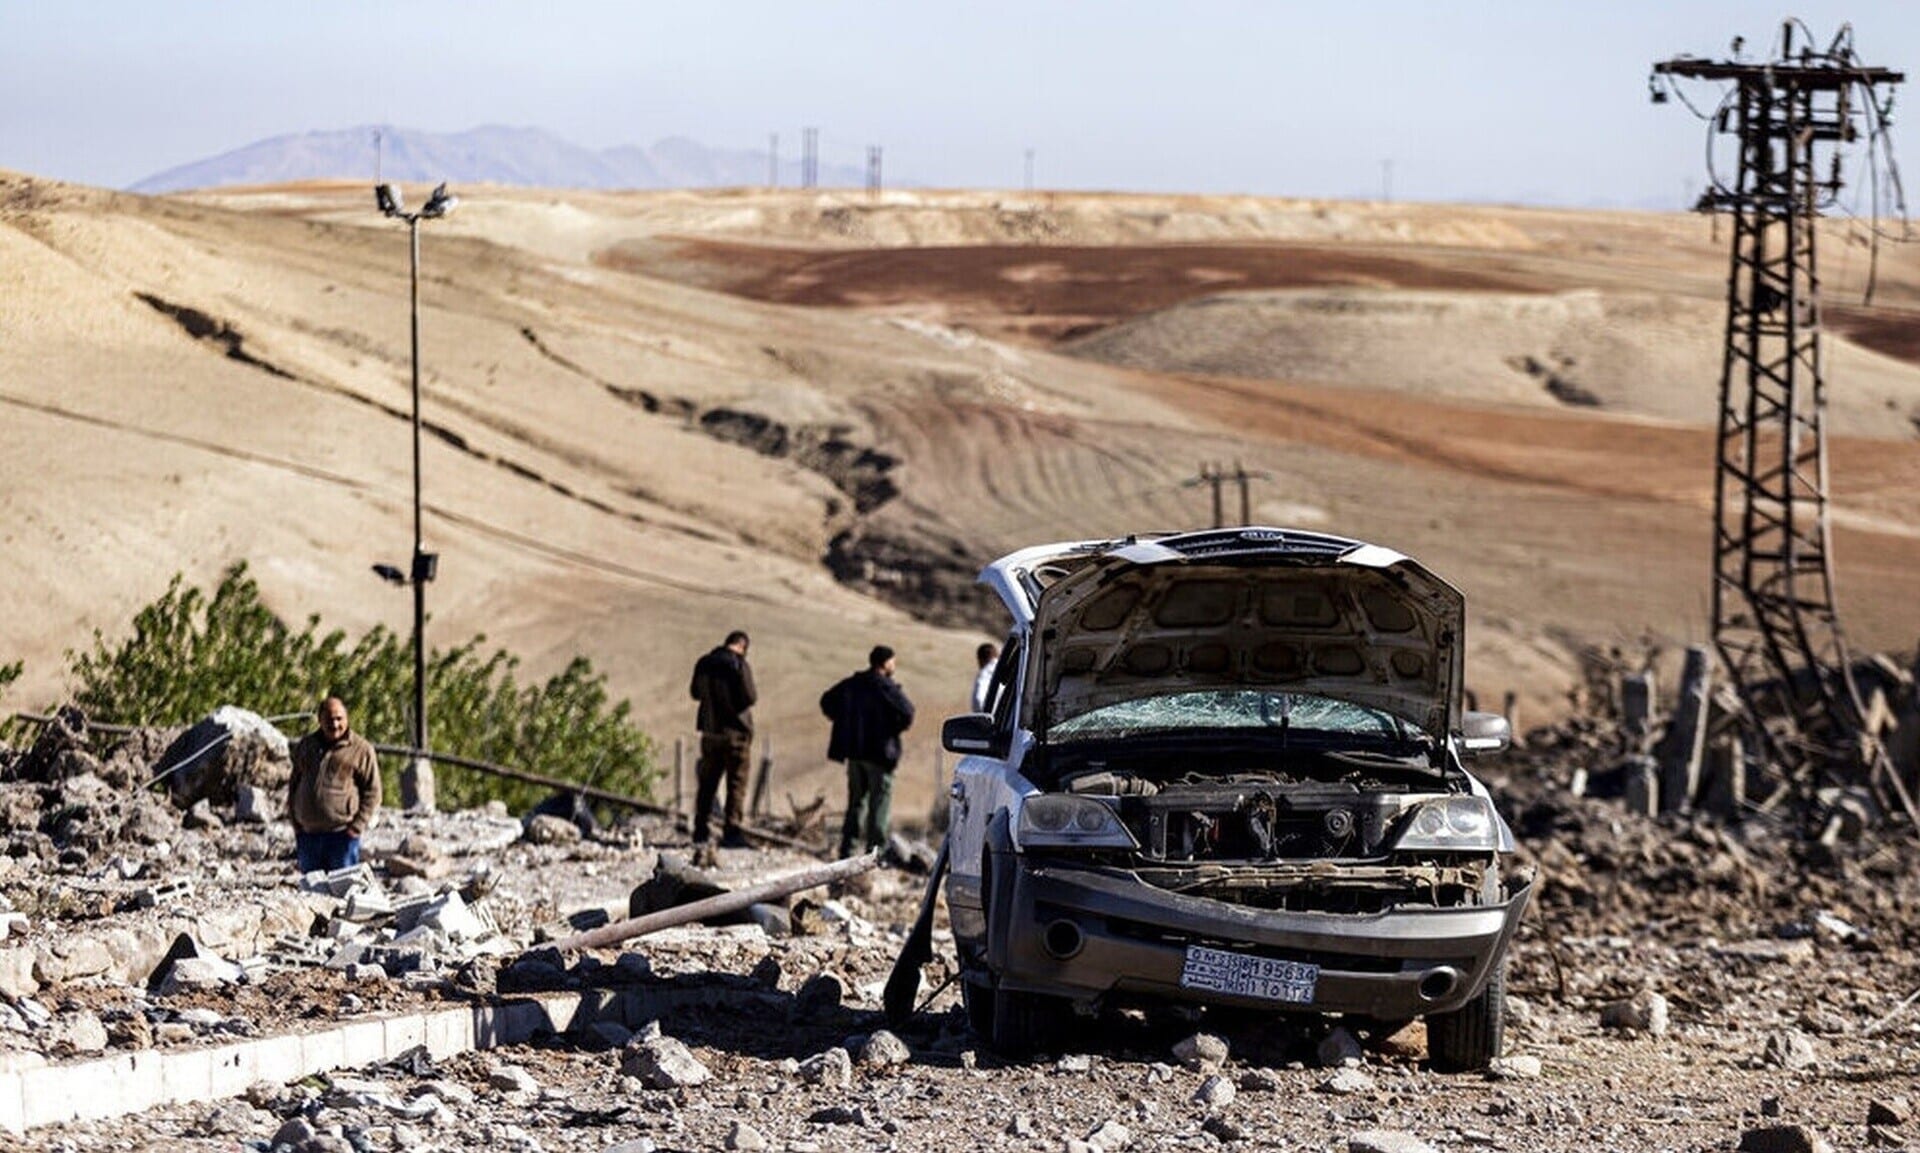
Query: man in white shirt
pixel 986 654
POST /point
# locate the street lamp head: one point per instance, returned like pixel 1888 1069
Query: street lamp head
pixel 388 198
pixel 440 203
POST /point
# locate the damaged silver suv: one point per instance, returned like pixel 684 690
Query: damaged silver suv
pixel 1224 768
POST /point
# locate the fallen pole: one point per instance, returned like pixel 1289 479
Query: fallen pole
pixel 811 877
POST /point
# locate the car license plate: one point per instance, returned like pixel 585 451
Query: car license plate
pixel 1219 971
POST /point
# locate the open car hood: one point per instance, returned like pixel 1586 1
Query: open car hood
pixel 1246 608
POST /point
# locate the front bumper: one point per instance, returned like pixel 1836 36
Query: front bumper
pixel 1127 937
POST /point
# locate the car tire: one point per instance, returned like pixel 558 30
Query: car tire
pixel 1023 1021
pixel 977 997
pixel 1470 1037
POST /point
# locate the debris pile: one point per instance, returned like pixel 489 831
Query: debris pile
pixel 1704 754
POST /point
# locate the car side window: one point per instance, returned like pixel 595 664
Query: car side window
pixel 1000 691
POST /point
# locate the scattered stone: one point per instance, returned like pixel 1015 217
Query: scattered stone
pixel 295 1133
pixel 1895 1110
pixel 818 996
pixel 1347 1081
pixel 1259 1081
pixel 1644 1012
pixel 745 1137
pixel 1337 1048
pixel 1789 1049
pixel 1201 1053
pixel 1783 1139
pixel 1223 1129
pixel 236 1119
pixel 1520 1068
pixel 1216 1092
pixel 883 1050
pixel 661 1062
pixel 193 974
pixel 80 1032
pixel 547 829
pixel 1074 1063
pixel 832 1069
pixel 1387 1141
pixel 513 1079
pixel 1020 1126
pixel 1109 1135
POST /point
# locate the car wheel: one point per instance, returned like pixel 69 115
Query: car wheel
pixel 978 998
pixel 1470 1037
pixel 1023 1021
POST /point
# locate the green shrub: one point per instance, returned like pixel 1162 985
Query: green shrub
pixel 191 653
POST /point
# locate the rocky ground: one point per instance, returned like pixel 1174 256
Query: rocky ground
pixel 1682 983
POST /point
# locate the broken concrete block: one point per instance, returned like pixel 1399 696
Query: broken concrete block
pixel 1680 749
pixel 1637 706
pixel 1724 791
pixel 397 960
pixel 365 905
pixel 340 882
pixel 164 893
pixel 449 916
pixel 1642 776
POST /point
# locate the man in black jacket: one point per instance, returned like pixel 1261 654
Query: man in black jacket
pixel 723 684
pixel 869 711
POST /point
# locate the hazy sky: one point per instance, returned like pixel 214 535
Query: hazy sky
pixel 1540 101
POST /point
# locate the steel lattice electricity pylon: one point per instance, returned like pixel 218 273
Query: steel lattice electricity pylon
pixel 1774 618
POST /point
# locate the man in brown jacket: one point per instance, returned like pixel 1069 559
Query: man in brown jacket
pixel 335 791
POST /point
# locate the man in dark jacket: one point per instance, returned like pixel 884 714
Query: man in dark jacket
pixel 723 684
pixel 869 711
pixel 334 792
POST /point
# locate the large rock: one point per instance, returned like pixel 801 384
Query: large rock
pixel 220 751
pixel 662 1062
pixel 1202 1053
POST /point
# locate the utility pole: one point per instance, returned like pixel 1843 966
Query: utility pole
pixel 773 160
pixel 1029 171
pixel 1241 476
pixel 809 158
pixel 873 170
pixel 1775 622
pixel 1211 474
pixel 416 780
pixel 1386 182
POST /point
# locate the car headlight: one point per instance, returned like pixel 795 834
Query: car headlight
pixel 1452 824
pixel 1054 821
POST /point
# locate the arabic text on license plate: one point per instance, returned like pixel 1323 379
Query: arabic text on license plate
pixel 1270 980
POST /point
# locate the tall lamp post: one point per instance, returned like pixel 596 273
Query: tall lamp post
pixel 416 781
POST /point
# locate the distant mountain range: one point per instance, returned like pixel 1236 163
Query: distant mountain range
pixel 490 154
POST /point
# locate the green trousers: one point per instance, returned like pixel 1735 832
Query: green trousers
pixel 869 805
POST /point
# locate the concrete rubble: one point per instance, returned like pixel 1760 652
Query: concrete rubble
pixel 1687 981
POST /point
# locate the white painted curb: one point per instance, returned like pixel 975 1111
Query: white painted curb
pixel 137 1081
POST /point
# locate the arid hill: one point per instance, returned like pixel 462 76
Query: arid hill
pixel 655 416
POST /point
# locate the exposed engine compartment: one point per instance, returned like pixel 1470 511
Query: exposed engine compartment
pixel 1277 839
